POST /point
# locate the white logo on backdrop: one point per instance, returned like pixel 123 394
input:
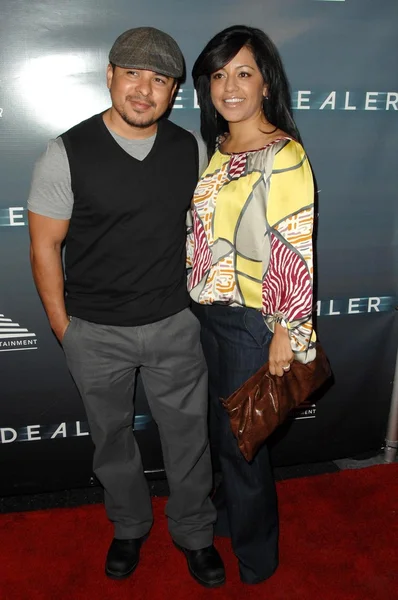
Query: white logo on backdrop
pixel 13 216
pixel 325 100
pixel 13 337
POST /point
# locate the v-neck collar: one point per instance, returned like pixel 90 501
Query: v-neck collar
pixel 107 133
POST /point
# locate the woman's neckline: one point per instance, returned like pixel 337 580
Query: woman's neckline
pixel 278 139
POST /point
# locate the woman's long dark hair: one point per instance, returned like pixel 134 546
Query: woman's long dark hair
pixel 221 50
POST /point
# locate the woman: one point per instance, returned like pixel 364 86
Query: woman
pixel 250 250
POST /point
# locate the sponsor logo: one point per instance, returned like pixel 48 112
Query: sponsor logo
pixel 304 411
pixel 31 433
pixel 13 337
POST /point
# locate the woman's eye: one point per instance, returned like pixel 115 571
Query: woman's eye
pixel 244 74
pixel 217 75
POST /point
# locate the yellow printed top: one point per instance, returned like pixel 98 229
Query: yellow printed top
pixel 250 243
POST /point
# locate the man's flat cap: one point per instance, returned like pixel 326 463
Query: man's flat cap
pixel 150 49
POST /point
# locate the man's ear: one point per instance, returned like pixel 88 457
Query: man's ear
pixel 173 93
pixel 109 76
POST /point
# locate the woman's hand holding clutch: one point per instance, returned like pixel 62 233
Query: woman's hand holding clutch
pixel 280 352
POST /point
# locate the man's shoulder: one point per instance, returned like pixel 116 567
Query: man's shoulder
pixel 54 157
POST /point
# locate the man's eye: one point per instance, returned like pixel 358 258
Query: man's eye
pixel 159 80
pixel 131 72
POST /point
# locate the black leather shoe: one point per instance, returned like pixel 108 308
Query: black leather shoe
pixel 205 566
pixel 123 557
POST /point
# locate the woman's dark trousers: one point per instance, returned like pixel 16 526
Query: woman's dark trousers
pixel 235 343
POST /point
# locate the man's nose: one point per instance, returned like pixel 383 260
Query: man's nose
pixel 144 86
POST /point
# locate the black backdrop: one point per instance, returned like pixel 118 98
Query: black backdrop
pixel 341 58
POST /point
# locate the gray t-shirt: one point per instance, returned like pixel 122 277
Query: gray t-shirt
pixel 51 190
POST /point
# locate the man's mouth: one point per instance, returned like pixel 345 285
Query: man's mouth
pixel 140 104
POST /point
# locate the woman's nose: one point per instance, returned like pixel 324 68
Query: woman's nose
pixel 231 84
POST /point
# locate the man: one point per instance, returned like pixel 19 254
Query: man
pixel 116 188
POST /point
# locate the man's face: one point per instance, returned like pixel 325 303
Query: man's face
pixel 140 97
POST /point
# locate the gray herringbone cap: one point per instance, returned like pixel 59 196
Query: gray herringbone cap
pixel 150 49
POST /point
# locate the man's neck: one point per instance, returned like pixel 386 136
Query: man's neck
pixel 115 123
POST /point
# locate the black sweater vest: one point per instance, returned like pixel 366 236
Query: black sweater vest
pixel 125 248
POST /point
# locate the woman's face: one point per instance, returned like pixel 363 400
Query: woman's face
pixel 237 90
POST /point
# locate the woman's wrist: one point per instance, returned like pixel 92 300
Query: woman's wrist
pixel 280 331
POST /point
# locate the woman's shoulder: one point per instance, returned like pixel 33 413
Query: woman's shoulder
pixel 290 154
pixel 280 142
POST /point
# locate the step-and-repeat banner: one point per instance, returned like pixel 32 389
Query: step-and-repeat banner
pixel 341 58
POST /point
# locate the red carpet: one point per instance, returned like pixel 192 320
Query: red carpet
pixel 339 537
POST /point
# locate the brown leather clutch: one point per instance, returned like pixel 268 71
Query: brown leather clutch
pixel 264 401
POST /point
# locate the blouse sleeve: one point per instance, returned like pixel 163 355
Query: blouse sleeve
pixel 288 283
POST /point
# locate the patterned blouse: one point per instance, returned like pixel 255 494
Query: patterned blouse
pixel 250 240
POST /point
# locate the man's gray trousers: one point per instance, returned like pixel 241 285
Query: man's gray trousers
pixel 103 361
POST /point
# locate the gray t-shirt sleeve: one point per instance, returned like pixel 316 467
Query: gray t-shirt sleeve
pixel 203 161
pixel 51 190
